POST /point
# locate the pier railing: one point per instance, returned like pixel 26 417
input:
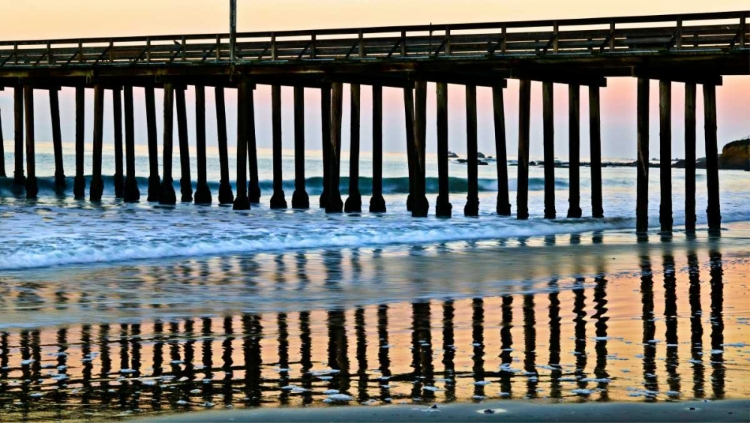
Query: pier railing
pixel 685 33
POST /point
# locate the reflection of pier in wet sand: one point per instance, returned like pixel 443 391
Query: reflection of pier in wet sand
pixel 559 344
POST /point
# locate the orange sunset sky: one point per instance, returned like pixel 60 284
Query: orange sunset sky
pixel 40 19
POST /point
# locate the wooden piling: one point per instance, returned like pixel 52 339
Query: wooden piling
pixel 244 97
pixel 420 206
pixel 154 181
pixel 202 192
pixel 253 190
pixel 443 207
pixel 409 120
pixel 186 182
pixel 97 183
pixel 354 201
pixel 690 156
pixel 333 202
pixel 79 183
pixel 119 179
pixel 712 158
pixel 325 124
pixel 278 201
pixel 524 124
pixel 19 180
pixel 548 107
pixel 300 199
pixel 574 151
pixel 472 199
pixel 54 108
pixel 2 150
pixel 225 188
pixel 377 203
pixel 503 196
pixel 595 143
pixel 643 156
pixel 167 195
pixel 665 155
pixel 132 193
pixel 31 183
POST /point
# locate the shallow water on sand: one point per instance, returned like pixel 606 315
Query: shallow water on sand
pixel 593 316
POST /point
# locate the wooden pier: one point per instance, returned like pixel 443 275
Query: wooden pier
pixel 691 48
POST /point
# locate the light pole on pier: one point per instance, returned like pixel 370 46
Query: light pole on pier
pixel 232 28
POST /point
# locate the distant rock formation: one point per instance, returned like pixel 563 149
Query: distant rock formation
pixel 735 156
pixel 452 155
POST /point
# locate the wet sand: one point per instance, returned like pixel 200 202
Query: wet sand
pixel 530 325
pixel 503 411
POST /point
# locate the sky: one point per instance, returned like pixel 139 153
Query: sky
pixel 43 19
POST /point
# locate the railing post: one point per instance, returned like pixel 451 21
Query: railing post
pixel 80 51
pixel 678 34
pixel 273 47
pixel 111 51
pixel 148 50
pixel 15 53
pixel 447 41
pixel 555 37
pixel 361 45
pixel 49 53
pixel 403 43
pixel 504 43
pixel 612 36
pixel 184 48
pixel 743 31
pixel 313 45
pixel 218 47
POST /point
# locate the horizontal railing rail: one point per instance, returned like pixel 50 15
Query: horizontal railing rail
pixel 694 33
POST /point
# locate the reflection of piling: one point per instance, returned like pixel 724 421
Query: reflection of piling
pixel 649 329
pixel 529 339
pixel 554 342
pixel 717 325
pixel 600 306
pixel 506 344
pixel 363 379
pixel 696 326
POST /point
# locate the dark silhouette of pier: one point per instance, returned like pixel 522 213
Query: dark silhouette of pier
pixel 694 49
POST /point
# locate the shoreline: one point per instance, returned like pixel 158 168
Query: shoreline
pixel 689 411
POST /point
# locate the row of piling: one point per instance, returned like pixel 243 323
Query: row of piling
pixel 161 188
